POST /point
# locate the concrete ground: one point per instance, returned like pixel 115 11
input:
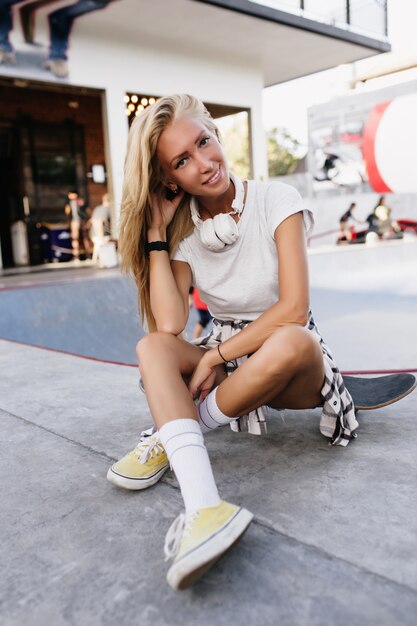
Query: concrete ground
pixel 334 541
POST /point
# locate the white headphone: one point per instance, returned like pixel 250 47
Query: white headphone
pixel 221 230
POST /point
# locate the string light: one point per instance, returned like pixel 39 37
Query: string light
pixel 135 104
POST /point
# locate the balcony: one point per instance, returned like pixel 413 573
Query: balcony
pixel 277 40
pixel 368 17
pixel 301 37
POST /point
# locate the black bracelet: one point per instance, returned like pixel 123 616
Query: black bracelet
pixel 218 350
pixel 156 245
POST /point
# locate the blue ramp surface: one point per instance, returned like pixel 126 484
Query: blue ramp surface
pixel 91 317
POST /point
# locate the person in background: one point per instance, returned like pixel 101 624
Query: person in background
pixel 345 232
pixel 84 213
pixel 204 316
pixel 385 224
pixel 71 210
pixel 347 215
pixel 61 23
pixel 85 230
pixel 100 219
pixel 77 210
pixel 100 225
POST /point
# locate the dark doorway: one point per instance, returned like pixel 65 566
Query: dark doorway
pixel 39 164
pixel 10 211
pixel 50 138
pixel 53 164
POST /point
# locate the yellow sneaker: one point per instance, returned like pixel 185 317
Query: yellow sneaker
pixel 143 466
pixel 196 541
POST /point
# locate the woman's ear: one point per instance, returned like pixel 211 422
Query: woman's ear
pixel 170 184
pixel 170 193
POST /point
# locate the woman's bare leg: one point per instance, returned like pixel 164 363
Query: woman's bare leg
pixel 287 371
pixel 163 361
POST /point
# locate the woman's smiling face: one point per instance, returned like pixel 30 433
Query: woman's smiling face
pixel 192 158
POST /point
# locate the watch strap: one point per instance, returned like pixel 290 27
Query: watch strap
pixel 156 245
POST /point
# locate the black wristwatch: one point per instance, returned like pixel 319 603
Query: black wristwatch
pixel 156 245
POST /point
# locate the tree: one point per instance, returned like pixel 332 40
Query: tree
pixel 284 152
pixel 235 140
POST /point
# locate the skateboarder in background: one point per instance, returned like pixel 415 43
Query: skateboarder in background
pixel 347 230
pixel 227 237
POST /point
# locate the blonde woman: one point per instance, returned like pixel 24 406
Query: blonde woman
pixel 186 220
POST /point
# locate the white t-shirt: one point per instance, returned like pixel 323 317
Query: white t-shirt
pixel 240 281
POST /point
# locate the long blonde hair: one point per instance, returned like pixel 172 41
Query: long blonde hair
pixel 142 176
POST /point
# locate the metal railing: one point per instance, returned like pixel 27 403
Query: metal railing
pixel 366 16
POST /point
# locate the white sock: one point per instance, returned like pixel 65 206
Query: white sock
pixel 209 414
pixel 187 453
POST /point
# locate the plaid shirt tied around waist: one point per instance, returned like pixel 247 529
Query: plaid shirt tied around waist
pixel 337 422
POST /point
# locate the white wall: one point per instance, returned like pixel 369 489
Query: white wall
pixel 111 56
pixel 122 68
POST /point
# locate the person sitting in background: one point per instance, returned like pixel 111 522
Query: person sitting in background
pixel 385 225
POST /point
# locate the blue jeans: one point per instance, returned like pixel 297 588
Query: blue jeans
pixel 60 24
pixel 6 23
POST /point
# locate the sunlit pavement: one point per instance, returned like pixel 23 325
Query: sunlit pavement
pixel 335 533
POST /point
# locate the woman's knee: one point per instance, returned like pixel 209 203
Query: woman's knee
pixel 153 344
pixel 291 347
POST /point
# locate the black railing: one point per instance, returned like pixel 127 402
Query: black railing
pixel 365 15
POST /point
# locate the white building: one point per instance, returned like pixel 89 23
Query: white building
pixel 62 119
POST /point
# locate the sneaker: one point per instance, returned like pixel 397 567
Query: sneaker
pixel 143 466
pixel 58 67
pixel 7 57
pixel 196 541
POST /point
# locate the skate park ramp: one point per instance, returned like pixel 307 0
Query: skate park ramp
pixel 92 314
pixel 364 301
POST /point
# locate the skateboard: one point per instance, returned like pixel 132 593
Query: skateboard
pixel 374 393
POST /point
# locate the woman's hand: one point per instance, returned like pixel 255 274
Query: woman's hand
pixel 163 210
pixel 203 377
